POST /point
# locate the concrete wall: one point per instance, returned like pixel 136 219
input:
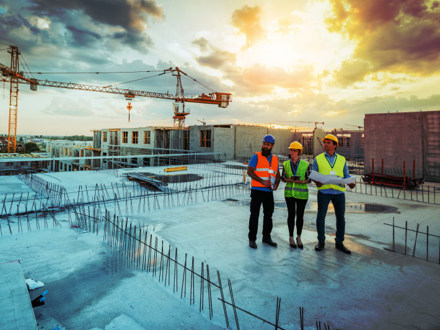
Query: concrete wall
pixel 354 149
pixel 248 140
pixel 224 141
pixel 431 145
pixel 399 137
pixel 283 138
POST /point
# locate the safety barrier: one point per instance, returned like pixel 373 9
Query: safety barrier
pixel 425 193
pixel 429 254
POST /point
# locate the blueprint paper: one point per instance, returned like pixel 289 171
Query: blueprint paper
pixel 331 179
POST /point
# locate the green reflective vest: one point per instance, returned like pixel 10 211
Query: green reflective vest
pixel 297 190
pixel 326 168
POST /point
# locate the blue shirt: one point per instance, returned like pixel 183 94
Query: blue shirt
pixel 253 163
pixel 331 160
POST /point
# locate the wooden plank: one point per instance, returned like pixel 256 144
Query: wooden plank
pixel 175 169
pixel 15 303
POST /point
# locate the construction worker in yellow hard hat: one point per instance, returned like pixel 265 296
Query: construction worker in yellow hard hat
pixel 296 193
pixel 332 138
pixel 331 163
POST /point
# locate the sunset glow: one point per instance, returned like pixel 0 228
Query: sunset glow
pixel 329 60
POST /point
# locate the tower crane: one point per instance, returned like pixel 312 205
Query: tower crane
pixel 358 126
pixel 15 77
pixel 302 121
pixel 310 122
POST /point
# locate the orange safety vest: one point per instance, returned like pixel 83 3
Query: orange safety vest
pixel 265 171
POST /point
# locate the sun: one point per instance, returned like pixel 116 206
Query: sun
pixel 300 40
pixel 275 51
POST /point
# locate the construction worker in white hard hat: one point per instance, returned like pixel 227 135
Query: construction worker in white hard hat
pixel 331 163
pixel 296 193
pixel 264 171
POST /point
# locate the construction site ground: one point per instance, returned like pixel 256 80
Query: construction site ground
pixel 374 288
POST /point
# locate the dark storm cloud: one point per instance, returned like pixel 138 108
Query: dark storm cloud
pixel 80 23
pixel 83 37
pixel 127 14
pixel 401 36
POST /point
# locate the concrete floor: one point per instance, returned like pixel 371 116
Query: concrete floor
pixel 371 289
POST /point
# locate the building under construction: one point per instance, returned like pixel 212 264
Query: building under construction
pixel 403 144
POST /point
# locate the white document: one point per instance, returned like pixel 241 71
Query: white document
pixel 331 179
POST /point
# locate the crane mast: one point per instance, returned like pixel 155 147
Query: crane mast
pixel 220 99
pixel 13 99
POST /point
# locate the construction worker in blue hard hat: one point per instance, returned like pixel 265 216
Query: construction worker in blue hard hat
pixel 296 193
pixel 264 172
pixel 331 163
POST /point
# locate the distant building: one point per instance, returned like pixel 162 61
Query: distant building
pixel 412 138
pixel 139 141
pixel 77 155
pixel 351 143
pixel 14 163
pixel 227 141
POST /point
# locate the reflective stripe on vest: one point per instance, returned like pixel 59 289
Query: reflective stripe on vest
pixel 297 190
pixel 325 168
pixel 264 170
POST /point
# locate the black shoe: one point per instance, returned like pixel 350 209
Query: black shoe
pixel 300 246
pixel 252 244
pixel 292 243
pixel 270 242
pixel 319 246
pixel 342 248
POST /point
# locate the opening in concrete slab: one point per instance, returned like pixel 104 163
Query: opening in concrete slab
pixel 175 178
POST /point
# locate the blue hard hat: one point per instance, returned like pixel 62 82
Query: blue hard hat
pixel 269 138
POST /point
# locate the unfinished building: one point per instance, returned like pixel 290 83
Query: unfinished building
pixel 139 141
pixel 73 155
pixel 403 143
pixel 211 142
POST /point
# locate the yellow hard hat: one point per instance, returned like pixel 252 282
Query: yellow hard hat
pixel 331 137
pixel 296 145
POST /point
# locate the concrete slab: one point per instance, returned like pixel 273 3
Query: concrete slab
pixel 15 304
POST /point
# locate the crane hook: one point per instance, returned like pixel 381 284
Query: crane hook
pixel 129 107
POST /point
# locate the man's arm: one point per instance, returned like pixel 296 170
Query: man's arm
pixel 251 173
pixel 315 168
pixel 347 175
pixel 277 180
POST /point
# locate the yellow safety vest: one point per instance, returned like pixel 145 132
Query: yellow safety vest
pixel 297 190
pixel 325 168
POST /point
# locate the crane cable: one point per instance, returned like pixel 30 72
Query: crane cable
pixel 129 81
pixel 208 89
pixel 94 72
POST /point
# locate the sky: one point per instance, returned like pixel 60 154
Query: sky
pixel 285 62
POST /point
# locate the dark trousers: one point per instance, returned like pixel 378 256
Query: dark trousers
pixel 259 197
pixel 338 201
pixel 296 207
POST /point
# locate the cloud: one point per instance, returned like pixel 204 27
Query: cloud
pixel 212 57
pixel 247 21
pixel 127 14
pixel 391 36
pixel 83 37
pixel 255 79
pixel 81 23
pixel 352 70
